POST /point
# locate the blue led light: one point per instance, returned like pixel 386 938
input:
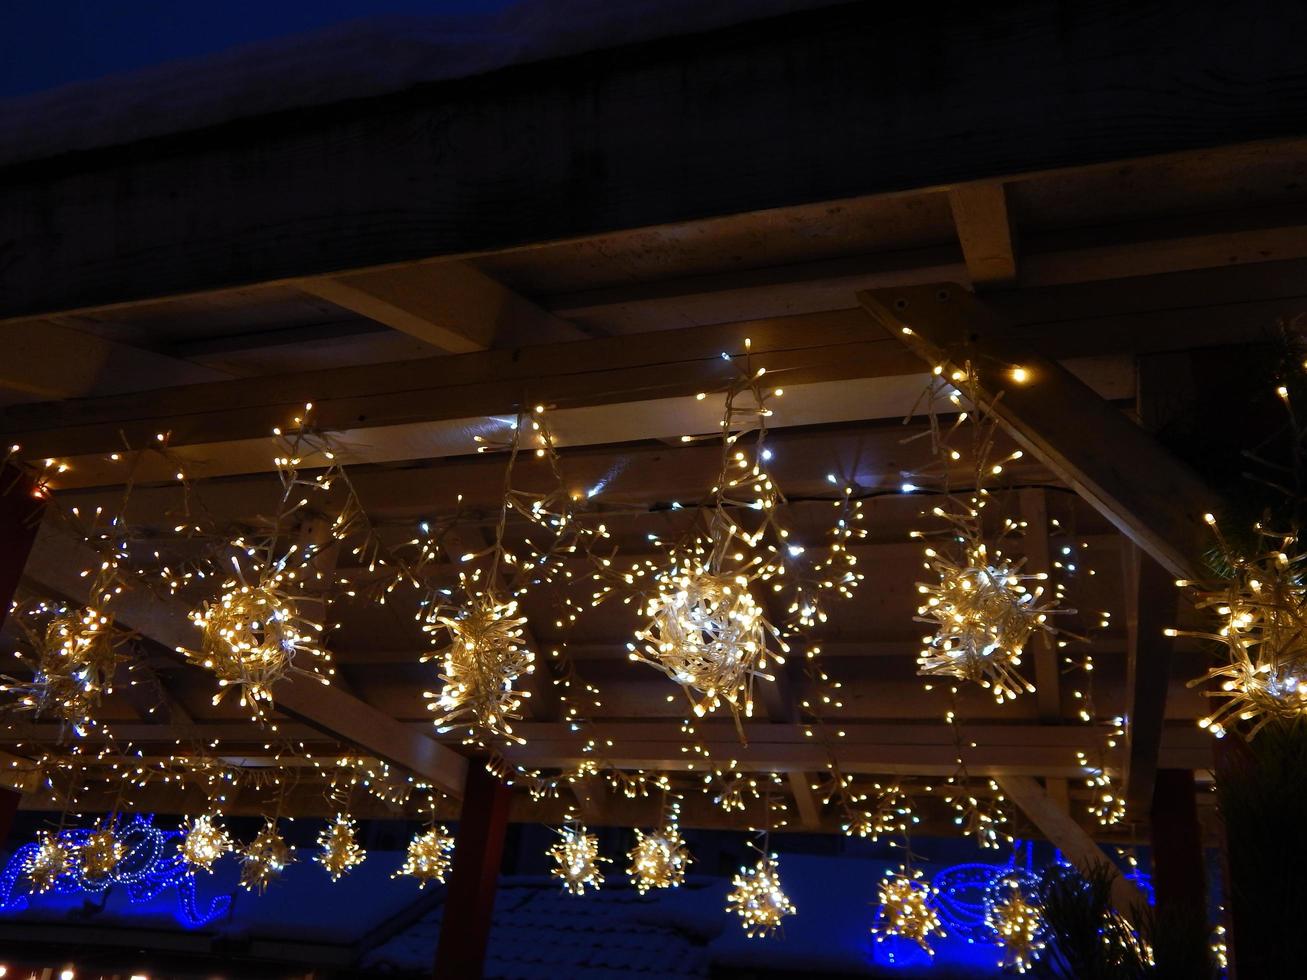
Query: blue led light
pixel 151 863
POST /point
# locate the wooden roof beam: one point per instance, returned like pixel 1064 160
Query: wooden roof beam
pixel 1114 464
pixel 984 227
pixel 450 305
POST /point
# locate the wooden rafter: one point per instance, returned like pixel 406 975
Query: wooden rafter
pixel 450 305
pixel 980 212
pixel 1070 838
pixel 1148 494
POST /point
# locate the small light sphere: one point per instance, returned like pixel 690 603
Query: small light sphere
pixel 428 858
pixel 576 859
pixel 340 851
pixel 757 897
pixel 907 910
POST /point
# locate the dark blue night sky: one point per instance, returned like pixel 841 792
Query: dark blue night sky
pixel 47 43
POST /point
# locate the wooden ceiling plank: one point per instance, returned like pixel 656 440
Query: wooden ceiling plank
pixel 984 227
pixel 450 305
pixel 1148 494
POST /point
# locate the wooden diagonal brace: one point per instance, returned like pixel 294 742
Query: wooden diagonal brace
pixel 1149 495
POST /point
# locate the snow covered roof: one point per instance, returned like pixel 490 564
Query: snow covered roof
pixel 356 59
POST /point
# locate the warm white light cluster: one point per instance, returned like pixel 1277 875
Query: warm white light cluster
pixel 757 897
pixel 264 859
pixel 1017 925
pixel 340 851
pixel 484 658
pixel 75 654
pixel 659 859
pixel 48 862
pixel 984 615
pixel 204 842
pixel 428 857
pixel 100 853
pixel 907 910
pixel 252 635
pixel 1263 616
pixel 576 860
pixel 706 632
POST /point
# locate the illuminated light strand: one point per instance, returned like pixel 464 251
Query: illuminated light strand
pixel 151 863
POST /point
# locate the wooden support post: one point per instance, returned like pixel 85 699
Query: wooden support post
pixel 20 518
pixel 450 305
pixel 1070 838
pixel 1151 600
pixel 1153 498
pixel 1178 879
pixel 478 853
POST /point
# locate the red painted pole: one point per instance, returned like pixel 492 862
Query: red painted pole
pixel 1179 873
pixel 478 855
pixel 20 516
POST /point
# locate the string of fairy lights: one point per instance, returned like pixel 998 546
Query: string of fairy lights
pixel 730 603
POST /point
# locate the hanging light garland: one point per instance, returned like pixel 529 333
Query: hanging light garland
pixel 264 859
pixel 428 858
pixel 704 628
pixel 48 863
pixel 204 842
pixel 756 896
pixel 1017 925
pixel 907 910
pixel 979 604
pixel 659 859
pixel 1262 608
pixel 576 860
pixel 484 658
pixel 339 847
